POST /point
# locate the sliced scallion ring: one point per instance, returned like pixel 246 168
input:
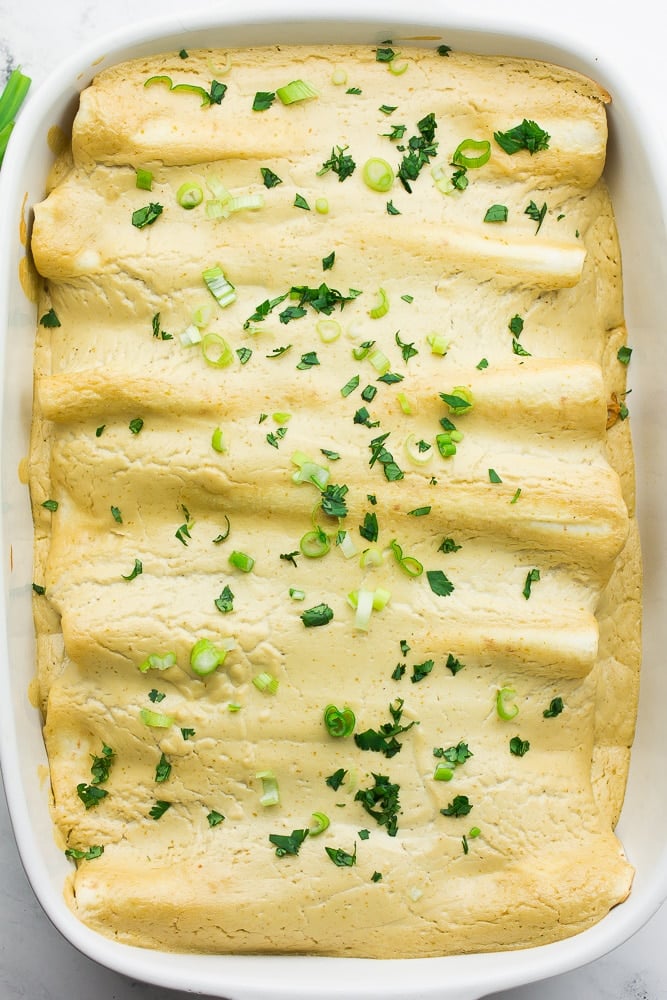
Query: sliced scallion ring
pixel 322 206
pixel 371 557
pixel 319 822
pixel 339 722
pixel 190 336
pixel 242 202
pixel 397 69
pixel 504 709
pixel 442 772
pixel 315 544
pixel 189 195
pixel 328 329
pixel 216 350
pixel 378 174
pixel 482 149
pixel 408 564
pixel 381 598
pixel 205 657
pixel 416 451
pixel 297 594
pixel 339 77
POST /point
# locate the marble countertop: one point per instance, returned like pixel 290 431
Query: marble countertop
pixel 35 961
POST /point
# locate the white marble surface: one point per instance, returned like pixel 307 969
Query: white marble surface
pixel 36 963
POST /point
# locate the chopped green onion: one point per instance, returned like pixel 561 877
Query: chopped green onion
pixel 245 201
pixel 185 87
pixel 239 560
pixel 11 99
pixel 364 609
pixel 156 719
pixel 189 195
pixel 397 69
pixel 266 682
pixel 222 290
pixel 339 77
pixel 205 657
pixel 322 206
pixel 438 343
pixel 270 792
pixel 216 351
pixel 144 180
pixel 408 564
pixel 346 544
pixel 505 710
pixel 315 544
pixel 377 174
pixel 297 594
pixel 157 662
pixel 217 442
pixel 419 452
pixel 339 722
pixel 445 444
pixel 328 329
pixel 190 336
pixel 319 822
pixel 404 403
pixel 382 308
pixel 297 90
pixel 442 772
pixel 480 146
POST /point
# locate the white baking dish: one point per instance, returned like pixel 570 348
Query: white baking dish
pixel 641 206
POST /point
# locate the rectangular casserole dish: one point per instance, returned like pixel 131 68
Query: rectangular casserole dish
pixel 640 211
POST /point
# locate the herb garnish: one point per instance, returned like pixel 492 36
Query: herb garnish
pixel 159 809
pixel 333 500
pixel 536 214
pixel 381 801
pixel 528 135
pixel 162 769
pixel 556 706
pixel 383 740
pixel 90 795
pixel 288 843
pixel 270 179
pixel 136 571
pixel 532 577
pixel 300 202
pixel 214 818
pixel 136 425
pixel 147 215
pixel 50 319
pixel 439 583
pixel 422 148
pixel 496 213
pixel 101 766
pixel 157 332
pixel 341 858
pixel 339 162
pixel 518 746
pixel 459 806
pixel 225 603
pixel 336 779
pixel 369 529
pixel 421 670
pixel 263 100
pixel 454 664
pixel 321 614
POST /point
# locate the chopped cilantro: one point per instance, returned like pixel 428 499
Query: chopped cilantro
pixel 159 809
pixel 50 319
pixel 369 529
pixel 536 214
pixel 496 213
pixel 90 795
pixel 336 779
pixel 328 261
pixel 381 801
pixel 459 806
pixel 263 100
pixel 147 215
pixel 270 179
pixel 300 202
pixel 518 746
pixel 528 135
pixel 454 664
pixel 162 769
pixel 532 577
pixel 225 602
pixel 339 162
pixel 321 614
pixel 383 740
pixel 439 583
pixel 341 858
pixel 448 545
pixel 556 706
pixel 421 670
pixel 288 843
pixel 214 818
